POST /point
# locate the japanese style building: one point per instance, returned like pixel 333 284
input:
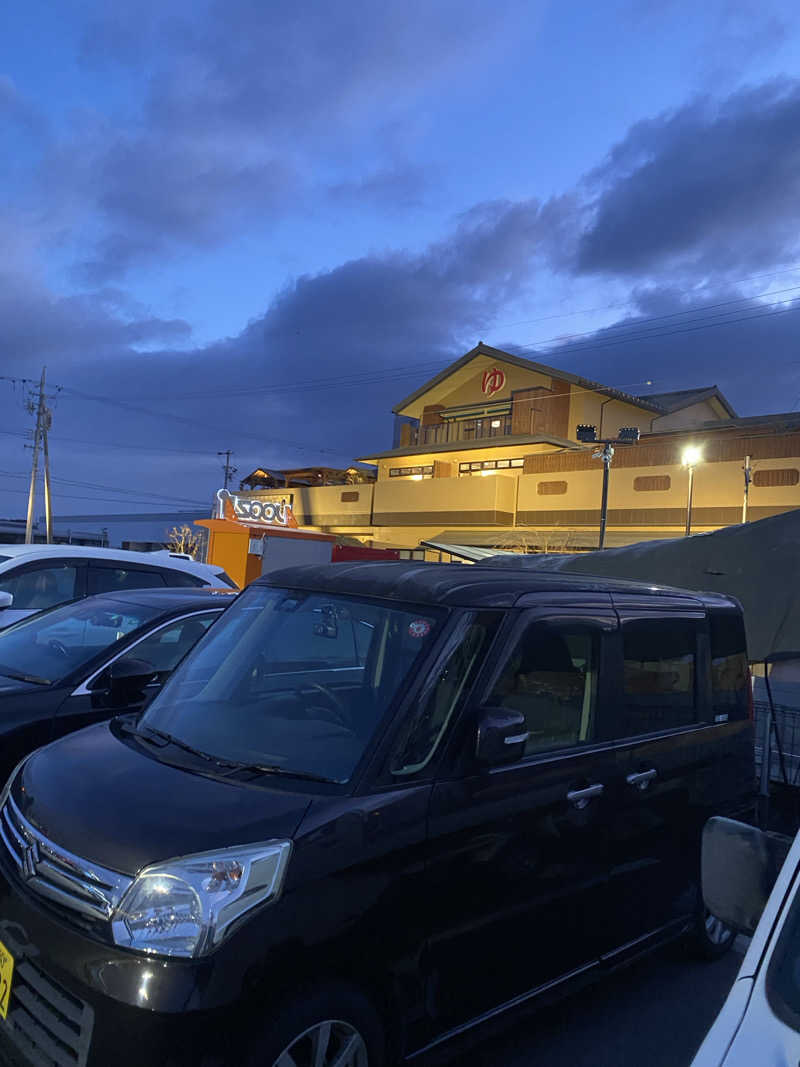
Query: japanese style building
pixel 487 454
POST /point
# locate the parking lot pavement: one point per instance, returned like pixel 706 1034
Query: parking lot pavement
pixel 656 1013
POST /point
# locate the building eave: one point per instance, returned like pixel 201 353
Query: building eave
pixel 514 441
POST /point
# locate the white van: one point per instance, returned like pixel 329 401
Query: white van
pixel 35 577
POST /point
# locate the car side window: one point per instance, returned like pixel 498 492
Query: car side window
pixel 41 587
pixel 164 649
pixel 659 675
pixel 730 674
pixel 113 579
pixel 444 695
pixel 551 678
pixel 181 579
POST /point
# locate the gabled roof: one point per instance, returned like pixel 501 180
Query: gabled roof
pixel 527 364
pixel 659 403
pixel 684 398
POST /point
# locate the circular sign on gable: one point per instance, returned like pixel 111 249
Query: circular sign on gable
pixel 493 381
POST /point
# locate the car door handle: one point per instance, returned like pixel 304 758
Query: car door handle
pixel 642 779
pixel 579 798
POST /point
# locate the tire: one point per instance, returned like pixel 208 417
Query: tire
pixel 337 1017
pixel 711 939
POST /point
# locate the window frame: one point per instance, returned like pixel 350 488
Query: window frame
pixel 702 681
pixel 51 563
pixel 600 618
pixel 494 622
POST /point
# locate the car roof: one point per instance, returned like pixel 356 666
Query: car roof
pixel 452 583
pixel 162 558
pixel 169 599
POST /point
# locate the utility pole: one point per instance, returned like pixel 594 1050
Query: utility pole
pixel 44 420
pixel 229 470
pixel 748 477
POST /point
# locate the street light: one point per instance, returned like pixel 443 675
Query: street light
pixel 627 435
pixel 691 457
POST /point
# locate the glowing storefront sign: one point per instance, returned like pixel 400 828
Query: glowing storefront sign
pixel 255 512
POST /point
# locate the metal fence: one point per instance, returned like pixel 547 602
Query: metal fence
pixel 783 763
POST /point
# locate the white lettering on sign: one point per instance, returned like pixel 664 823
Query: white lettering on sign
pixel 263 512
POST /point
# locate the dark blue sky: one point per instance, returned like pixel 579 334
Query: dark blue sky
pixel 258 225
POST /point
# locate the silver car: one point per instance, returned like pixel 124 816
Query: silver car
pixel 748 883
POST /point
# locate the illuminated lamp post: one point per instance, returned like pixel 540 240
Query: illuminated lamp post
pixel 691 457
pixel 628 435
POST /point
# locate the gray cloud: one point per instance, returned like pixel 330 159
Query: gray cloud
pixel 681 194
pixel 247 105
pixel 370 328
pixel 711 187
pixel 747 346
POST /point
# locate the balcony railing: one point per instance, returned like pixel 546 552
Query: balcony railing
pixel 464 430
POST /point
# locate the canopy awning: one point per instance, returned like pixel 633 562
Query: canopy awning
pixel 758 563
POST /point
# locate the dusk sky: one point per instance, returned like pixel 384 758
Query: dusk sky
pixel 258 225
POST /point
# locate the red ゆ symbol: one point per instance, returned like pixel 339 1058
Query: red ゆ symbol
pixel 493 381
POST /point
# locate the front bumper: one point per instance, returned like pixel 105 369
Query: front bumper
pixel 77 1002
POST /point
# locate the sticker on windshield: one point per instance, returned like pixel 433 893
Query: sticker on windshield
pixel 419 628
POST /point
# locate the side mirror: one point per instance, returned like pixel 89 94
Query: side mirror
pixel 6 600
pixel 502 734
pixel 125 681
pixel 740 864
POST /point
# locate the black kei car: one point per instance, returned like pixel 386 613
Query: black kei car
pixel 375 807
pixel 85 661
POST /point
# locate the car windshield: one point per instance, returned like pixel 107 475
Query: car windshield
pixel 294 681
pixel 50 646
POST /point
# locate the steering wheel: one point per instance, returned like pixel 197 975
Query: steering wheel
pixel 58 646
pixel 334 705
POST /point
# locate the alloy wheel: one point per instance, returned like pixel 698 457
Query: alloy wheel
pixel 328 1044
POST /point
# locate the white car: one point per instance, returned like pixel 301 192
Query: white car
pixel 35 577
pixel 759 1023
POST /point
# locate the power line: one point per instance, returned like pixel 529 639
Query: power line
pixel 400 372
pixel 138 409
pixel 103 500
pixel 155 497
pixel 788 269
pixel 611 342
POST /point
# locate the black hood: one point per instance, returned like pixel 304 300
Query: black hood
pixel 107 801
pixel 9 686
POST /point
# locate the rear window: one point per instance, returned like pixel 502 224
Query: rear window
pixel 729 668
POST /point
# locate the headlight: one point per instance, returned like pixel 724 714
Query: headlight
pixel 186 906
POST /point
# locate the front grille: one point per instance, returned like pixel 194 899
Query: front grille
pixel 46 1026
pixel 53 872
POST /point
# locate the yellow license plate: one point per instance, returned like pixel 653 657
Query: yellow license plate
pixel 6 970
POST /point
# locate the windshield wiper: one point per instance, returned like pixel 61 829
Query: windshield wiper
pixel 168 739
pixel 258 768
pixel 34 679
pixel 231 765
